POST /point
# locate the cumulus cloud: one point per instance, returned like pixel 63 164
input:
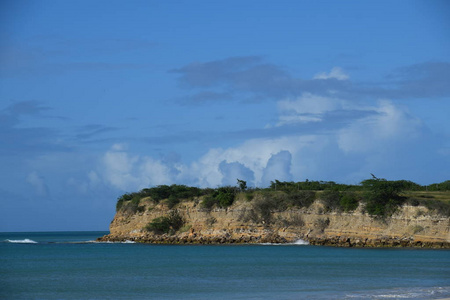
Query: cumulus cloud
pixel 278 167
pixel 389 125
pixel 257 161
pixel 233 171
pixel 313 129
pixel 132 172
pixel 369 129
pixel 254 155
pixel 335 73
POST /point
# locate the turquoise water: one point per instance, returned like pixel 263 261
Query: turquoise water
pixel 68 265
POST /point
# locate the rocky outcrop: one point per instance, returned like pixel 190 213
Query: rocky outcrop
pixel 411 226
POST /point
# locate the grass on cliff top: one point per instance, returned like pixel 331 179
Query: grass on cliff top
pixel 437 195
pixel 437 201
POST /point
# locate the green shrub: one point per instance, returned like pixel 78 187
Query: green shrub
pixel 349 201
pixel 162 192
pixel 123 199
pixel 262 209
pixel 225 199
pixel 119 204
pixel 382 196
pixel 222 197
pixel 208 202
pixel 249 196
pixel 167 224
pixel 172 201
pixel 301 198
pixel 331 199
pixel 443 186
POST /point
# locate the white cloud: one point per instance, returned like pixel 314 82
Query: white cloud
pixel 389 126
pixel 132 172
pixel 307 108
pixel 290 157
pixel 253 154
pixel 278 167
pixel 335 73
pixel 233 171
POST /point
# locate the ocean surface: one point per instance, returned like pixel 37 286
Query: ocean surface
pixel 70 265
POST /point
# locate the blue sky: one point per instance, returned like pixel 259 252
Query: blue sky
pixel 99 98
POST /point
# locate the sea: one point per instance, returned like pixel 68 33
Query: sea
pixel 71 265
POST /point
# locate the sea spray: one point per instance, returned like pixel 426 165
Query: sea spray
pixel 301 242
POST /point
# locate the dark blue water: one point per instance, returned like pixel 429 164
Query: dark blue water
pixel 65 265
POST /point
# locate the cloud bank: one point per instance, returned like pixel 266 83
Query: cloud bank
pixel 373 130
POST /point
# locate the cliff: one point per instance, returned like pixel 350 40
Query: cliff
pixel 243 222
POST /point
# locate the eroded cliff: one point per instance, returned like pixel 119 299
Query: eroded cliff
pixel 410 226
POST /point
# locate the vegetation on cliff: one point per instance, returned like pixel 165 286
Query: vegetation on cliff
pixel 378 197
pixel 166 224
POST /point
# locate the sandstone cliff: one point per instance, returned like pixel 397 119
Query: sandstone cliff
pixel 410 226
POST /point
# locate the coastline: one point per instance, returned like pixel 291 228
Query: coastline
pixel 337 241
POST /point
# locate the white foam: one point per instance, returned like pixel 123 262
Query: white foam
pixel 128 242
pixel 301 242
pixel 25 241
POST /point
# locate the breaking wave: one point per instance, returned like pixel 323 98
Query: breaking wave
pixel 301 242
pixel 24 241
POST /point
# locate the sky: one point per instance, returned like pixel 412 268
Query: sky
pixel 101 98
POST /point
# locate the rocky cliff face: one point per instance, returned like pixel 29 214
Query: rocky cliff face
pixel 411 226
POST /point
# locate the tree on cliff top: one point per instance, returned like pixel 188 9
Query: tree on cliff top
pixel 382 196
pixel 242 184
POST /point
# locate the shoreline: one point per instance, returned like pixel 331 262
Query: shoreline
pixel 344 242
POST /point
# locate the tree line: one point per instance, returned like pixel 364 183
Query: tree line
pixel 381 197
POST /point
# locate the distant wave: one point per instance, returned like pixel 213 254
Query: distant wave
pixel 25 241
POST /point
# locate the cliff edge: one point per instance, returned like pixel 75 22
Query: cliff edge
pixel 257 221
